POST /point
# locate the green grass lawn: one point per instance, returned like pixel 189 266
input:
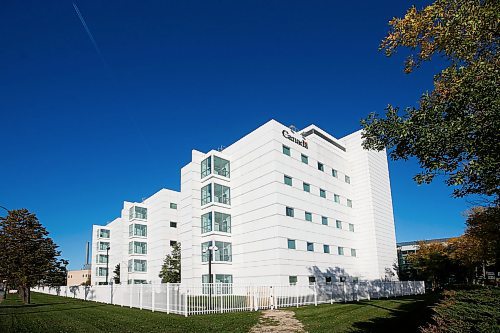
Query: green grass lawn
pixel 403 314
pixel 60 314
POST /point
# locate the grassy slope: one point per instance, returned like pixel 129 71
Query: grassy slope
pixel 404 314
pixel 58 314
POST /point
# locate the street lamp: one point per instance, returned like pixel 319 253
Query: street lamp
pixel 107 264
pixel 210 250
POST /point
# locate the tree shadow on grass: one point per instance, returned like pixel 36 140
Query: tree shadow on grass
pixel 407 317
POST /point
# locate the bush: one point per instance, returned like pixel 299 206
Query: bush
pixel 475 310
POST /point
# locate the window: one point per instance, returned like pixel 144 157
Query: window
pixel 322 193
pixel 206 222
pixel 341 251
pixel 306 187
pixel 312 280
pixel 286 150
pixel 223 252
pixel 321 167
pixel 338 223
pixel 334 173
pixel 173 224
pixel 310 247
pixel 101 271
pixel 173 205
pixel 103 233
pixel 102 259
pixel 289 211
pixel 347 179
pixel 292 280
pixel 221 167
pixel 137 248
pixel 349 203
pixel 326 248
pixel 351 227
pixel 223 278
pixel 353 252
pixel 138 213
pixel 304 159
pixel 324 220
pixel 204 251
pixel 336 198
pixel 206 194
pixel 222 222
pixel 173 243
pixel 206 167
pixel 222 194
pixel 308 216
pixel 102 246
pixel 288 180
pixel 291 244
pixel 137 265
pixel 328 280
pixel 140 230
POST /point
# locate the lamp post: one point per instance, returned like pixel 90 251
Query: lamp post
pixel 107 264
pixel 210 250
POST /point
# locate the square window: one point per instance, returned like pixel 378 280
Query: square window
pixel 312 279
pixel 289 211
pixel 306 187
pixel 304 159
pixel 322 193
pixel 291 244
pixel 341 251
pixel 321 167
pixel 328 280
pixel 286 150
pixel 288 180
pixel 308 216
pixel 347 179
pixel 292 279
pixel 326 248
pixel 334 173
pixel 338 223
pixel 349 203
pixel 351 227
pixel 173 205
pixel 173 224
pixel 324 220
pixel 336 198
pixel 353 252
pixel 310 247
pixel 173 243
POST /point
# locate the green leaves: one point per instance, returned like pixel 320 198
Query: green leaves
pixel 455 130
pixel 171 268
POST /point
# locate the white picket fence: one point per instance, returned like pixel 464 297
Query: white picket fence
pixel 220 297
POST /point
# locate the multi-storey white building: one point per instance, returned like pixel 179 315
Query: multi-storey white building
pixel 278 206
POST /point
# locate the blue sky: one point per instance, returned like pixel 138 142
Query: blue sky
pixel 83 129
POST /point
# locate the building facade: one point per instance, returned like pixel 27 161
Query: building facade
pixel 278 206
pixel 78 277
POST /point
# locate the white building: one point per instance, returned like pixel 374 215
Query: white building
pixel 280 206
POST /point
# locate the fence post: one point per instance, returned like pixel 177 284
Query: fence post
pixel 153 298
pixel 168 298
pixel 140 296
pixel 186 303
pixel 356 288
pixel 130 297
pixel 368 288
pixel 315 295
pixel 221 299
pixel 297 293
pixel 345 292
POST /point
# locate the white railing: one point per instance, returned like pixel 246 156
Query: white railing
pixel 223 297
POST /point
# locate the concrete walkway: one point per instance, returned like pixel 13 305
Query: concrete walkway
pixel 278 321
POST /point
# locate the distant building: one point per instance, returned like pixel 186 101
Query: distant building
pixel 406 248
pixel 78 277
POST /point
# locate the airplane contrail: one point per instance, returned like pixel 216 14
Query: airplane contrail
pixel 80 16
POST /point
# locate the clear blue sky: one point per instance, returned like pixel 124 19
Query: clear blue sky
pixel 81 131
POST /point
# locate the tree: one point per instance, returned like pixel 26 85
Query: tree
pixel 116 277
pixel 171 268
pixel 28 256
pixel 454 130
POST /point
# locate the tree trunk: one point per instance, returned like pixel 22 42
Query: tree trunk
pixel 28 294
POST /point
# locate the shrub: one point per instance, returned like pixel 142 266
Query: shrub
pixel 474 310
